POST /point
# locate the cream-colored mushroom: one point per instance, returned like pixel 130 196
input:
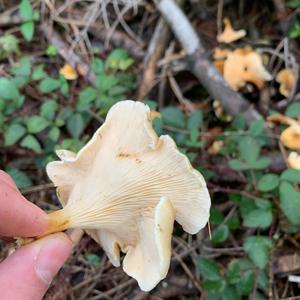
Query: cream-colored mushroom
pixel 125 188
pixel 294 160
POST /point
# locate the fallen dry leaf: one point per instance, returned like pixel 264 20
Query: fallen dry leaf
pixel 286 78
pixel 68 72
pixel 287 263
pixel 229 34
pixel 245 65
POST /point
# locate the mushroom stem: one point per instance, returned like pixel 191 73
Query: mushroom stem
pixel 58 221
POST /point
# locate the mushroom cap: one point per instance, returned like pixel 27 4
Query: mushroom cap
pixel 126 187
pixel 294 160
pixel 245 65
pixel 290 137
pixel 68 72
pixel 287 80
pixel 229 34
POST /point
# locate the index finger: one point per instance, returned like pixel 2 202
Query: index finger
pixel 18 216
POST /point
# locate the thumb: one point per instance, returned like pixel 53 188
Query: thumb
pixel 28 272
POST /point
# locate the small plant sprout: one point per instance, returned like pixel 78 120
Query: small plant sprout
pixel 125 188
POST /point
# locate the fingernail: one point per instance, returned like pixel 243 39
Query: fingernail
pixel 54 250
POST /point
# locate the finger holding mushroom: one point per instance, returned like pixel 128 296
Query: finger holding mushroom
pixel 125 188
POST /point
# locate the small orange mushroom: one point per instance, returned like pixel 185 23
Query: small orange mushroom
pixel 68 72
pixel 245 65
pixel 229 34
pixel 286 78
pixel 290 137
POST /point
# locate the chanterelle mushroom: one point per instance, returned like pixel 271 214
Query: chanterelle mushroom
pixel 125 188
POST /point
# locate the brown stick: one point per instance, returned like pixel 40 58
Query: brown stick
pixel 155 50
pixel 119 39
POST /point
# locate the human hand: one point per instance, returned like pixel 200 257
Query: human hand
pixel 28 272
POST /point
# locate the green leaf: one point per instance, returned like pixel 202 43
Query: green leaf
pixel 36 15
pixel 249 149
pixel 295 30
pixel 19 177
pixel 106 82
pixel 93 259
pixel 64 86
pixel 25 9
pixel 233 272
pixel 293 3
pixel 39 73
pixel 260 163
pixel 36 124
pixel 290 202
pixel 54 134
pixel 27 30
pixel 195 120
pixel 268 182
pixel 86 97
pixel 75 125
pixel 118 59
pixel 233 222
pixel 258 218
pixel 246 283
pixel 220 234
pixel 230 293
pixel 214 286
pixel 49 84
pixel 8 45
pixel 293 110
pixel 31 143
pixel 51 51
pixel 239 122
pixel 257 127
pixel 291 175
pixel 98 66
pixel 22 67
pixel 48 109
pixel 208 269
pixel 173 116
pixel 216 217
pixel 258 248
pixel 13 133
pixel 238 165
pixel 8 89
